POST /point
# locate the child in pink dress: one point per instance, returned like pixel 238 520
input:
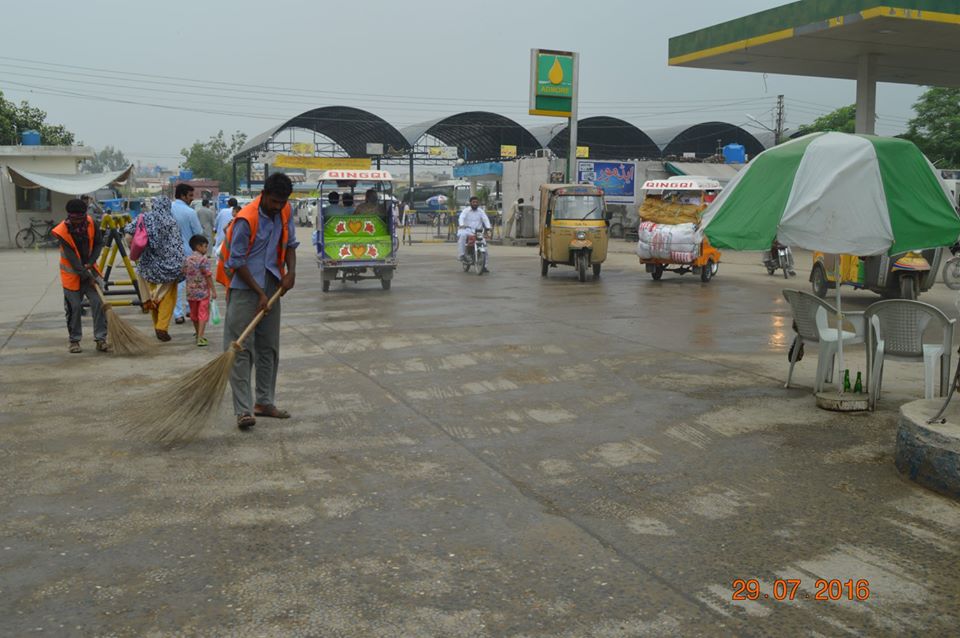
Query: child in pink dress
pixel 200 288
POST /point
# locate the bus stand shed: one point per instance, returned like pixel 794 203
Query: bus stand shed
pixel 916 42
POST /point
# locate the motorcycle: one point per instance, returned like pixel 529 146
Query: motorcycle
pixel 475 255
pixel 779 257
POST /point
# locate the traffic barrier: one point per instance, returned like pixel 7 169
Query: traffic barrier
pixel 112 228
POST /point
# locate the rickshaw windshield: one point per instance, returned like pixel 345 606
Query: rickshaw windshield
pixel 578 207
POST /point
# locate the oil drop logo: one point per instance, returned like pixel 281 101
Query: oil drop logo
pixel 555 74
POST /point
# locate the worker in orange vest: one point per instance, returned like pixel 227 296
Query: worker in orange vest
pixel 80 246
pixel 257 258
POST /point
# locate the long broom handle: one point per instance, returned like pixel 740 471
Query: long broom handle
pixel 253 323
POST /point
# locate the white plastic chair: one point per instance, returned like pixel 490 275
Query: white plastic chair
pixel 896 329
pixel 812 317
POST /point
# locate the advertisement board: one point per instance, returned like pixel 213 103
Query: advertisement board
pixel 553 79
pixel 321 163
pixel 617 179
pixel 442 152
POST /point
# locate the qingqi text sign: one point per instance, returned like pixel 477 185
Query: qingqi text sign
pixel 553 82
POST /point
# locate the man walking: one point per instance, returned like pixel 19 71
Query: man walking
pixel 512 218
pixel 258 257
pixel 189 225
pixel 224 217
pixel 207 220
pixel 80 246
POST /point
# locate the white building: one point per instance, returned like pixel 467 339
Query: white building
pixel 37 181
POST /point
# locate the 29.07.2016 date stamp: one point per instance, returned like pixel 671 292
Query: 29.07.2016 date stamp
pixel 789 589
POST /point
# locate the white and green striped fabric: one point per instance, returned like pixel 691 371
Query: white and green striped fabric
pixel 836 193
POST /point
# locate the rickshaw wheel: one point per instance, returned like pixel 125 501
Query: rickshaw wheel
pixel 596 270
pixel 582 267
pixel 818 280
pixel 544 267
pixel 908 287
pixel 706 271
pixel 325 285
pixel 385 284
pixel 657 272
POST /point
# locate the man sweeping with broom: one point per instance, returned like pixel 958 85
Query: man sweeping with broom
pixel 257 259
pixel 80 246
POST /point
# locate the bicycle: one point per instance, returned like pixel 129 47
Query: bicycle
pixel 40 230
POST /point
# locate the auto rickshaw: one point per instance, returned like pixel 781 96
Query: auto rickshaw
pixel 356 242
pixel 902 276
pixel 573 228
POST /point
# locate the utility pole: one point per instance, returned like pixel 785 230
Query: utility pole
pixel 778 130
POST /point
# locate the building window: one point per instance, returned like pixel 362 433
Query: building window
pixel 35 200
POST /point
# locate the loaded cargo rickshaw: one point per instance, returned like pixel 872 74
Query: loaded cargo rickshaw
pixel 356 242
pixel 669 234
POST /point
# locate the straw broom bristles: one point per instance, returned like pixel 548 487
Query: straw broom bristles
pixel 180 411
pixel 122 338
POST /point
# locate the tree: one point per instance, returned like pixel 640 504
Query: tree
pixel 15 119
pixel 936 126
pixel 211 159
pixel 108 159
pixel 843 120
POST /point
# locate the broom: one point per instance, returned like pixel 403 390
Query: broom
pixel 179 412
pixel 121 336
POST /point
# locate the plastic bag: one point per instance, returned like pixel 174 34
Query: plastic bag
pixel 214 312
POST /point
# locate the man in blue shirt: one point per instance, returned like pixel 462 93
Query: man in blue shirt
pixel 189 224
pixel 258 269
pixel 224 217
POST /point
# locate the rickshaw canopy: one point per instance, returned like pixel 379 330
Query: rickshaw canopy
pixel 682 183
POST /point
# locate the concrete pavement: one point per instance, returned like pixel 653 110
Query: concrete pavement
pixel 469 456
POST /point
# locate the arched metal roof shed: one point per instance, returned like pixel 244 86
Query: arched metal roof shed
pixel 351 128
pixel 702 139
pixel 478 135
pixel 607 137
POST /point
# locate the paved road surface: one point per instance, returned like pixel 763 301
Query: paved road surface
pixel 495 456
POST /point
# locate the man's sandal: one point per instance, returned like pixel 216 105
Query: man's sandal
pixel 245 421
pixel 75 347
pixel 270 411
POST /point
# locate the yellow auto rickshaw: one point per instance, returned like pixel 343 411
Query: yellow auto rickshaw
pixel 902 276
pixel 573 228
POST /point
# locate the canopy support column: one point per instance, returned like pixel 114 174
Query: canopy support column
pixel 866 93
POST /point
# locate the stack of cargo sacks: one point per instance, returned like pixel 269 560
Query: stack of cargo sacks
pixel 678 243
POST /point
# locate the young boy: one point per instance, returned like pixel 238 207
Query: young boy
pixel 199 284
pixel 80 245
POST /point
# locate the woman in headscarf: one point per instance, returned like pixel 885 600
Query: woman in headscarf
pixel 160 267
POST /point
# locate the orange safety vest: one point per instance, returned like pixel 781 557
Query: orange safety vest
pixel 251 213
pixel 70 278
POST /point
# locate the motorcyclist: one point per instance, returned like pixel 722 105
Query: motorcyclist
pixel 472 217
pixel 772 257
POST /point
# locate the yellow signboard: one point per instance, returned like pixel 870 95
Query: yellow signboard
pixel 508 150
pixel 302 148
pixel 323 163
pixel 583 152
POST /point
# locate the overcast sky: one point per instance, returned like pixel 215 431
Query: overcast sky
pixel 151 78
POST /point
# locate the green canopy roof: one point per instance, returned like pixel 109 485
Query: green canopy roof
pixel 915 41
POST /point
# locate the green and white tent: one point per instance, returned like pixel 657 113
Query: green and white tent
pixel 837 193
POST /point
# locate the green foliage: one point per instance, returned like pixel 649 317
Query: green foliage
pixel 211 159
pixel 15 119
pixel 843 120
pixel 936 126
pixel 108 159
